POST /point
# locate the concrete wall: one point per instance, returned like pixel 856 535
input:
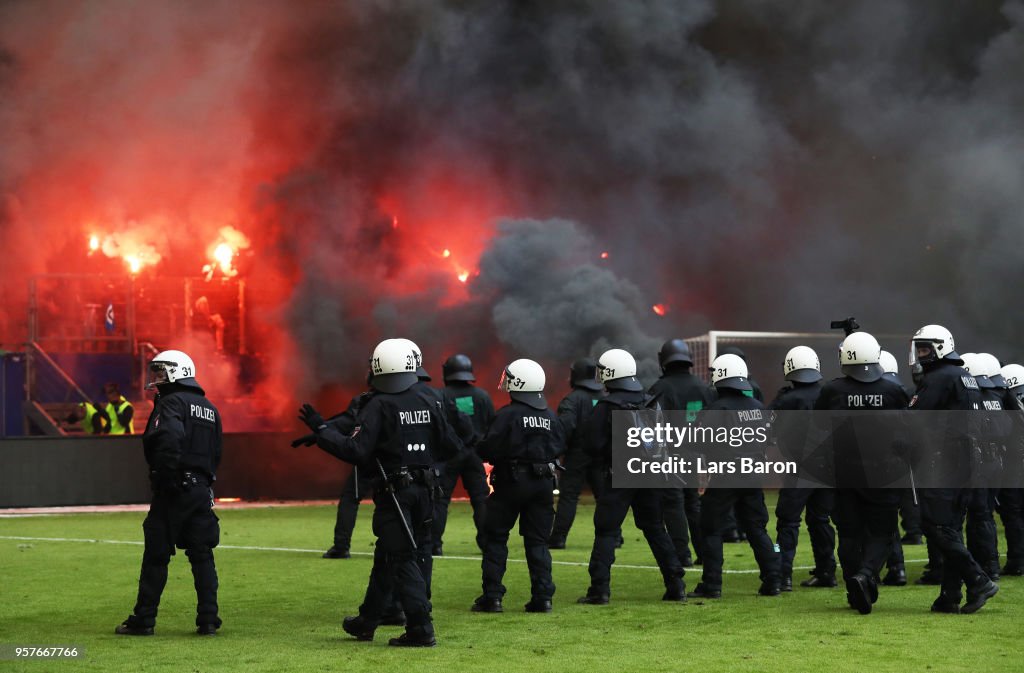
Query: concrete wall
pixel 47 471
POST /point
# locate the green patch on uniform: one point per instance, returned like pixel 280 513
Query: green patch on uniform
pixel 692 407
pixel 465 405
pixel 593 402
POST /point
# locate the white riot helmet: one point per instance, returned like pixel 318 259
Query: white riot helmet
pixel 393 365
pixel 171 367
pixel 420 371
pixel 730 371
pixel 617 370
pixel 524 381
pixel 1014 376
pixel 974 363
pixel 935 338
pixel 990 368
pixel 890 368
pixel 802 365
pixel 858 357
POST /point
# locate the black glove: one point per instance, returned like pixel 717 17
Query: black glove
pixel 305 440
pixel 310 416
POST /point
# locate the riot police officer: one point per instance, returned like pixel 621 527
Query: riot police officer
pixel 522 445
pixel 476 404
pixel 574 413
pixel 729 376
pixel 679 390
pixel 182 443
pixel 980 525
pixel 402 432
pixel 617 371
pixel 910 512
pixel 946 386
pixel 1011 499
pixel 802 369
pixel 866 517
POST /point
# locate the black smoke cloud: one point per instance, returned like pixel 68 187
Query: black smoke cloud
pixel 754 165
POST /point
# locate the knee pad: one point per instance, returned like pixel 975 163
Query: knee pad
pixel 199 554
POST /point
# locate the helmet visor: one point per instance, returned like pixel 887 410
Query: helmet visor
pixel 157 375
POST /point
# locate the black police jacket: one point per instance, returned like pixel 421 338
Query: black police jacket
pixel 459 422
pixel 875 451
pixel 847 394
pixel 735 400
pixel 473 402
pixel 522 434
pixel 679 390
pixel 946 386
pixel 793 433
pixel 183 433
pixel 403 429
pixel 574 412
pixel 798 397
pixel 599 429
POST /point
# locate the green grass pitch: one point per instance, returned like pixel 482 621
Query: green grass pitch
pixel 282 607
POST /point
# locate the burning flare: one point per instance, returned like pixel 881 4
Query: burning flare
pixel 660 309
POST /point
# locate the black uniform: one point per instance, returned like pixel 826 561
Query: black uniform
pixel 614 503
pixel 980 525
pixel 574 413
pixel 751 514
pixel 945 385
pixel 407 434
pixel 818 502
pixel 182 443
pixel 867 518
pixel 522 444
pixel 1011 500
pixel 679 390
pixel 474 403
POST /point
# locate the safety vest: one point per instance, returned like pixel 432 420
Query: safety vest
pixel 89 410
pixel 115 424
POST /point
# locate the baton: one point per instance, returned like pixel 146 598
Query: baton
pixel 355 475
pixel 913 489
pixel 401 515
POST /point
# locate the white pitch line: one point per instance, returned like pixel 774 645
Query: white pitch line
pixel 363 553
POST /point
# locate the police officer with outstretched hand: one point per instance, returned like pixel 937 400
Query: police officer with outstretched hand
pixel 182 443
pixel 402 432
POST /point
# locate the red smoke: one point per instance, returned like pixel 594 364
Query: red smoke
pixel 143 132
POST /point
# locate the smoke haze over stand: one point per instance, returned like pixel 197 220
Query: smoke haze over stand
pixel 751 165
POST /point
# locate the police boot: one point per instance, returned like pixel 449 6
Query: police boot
pixel 769 589
pixel 556 542
pixel 206 629
pixel 912 538
pixel 978 594
pixel 896 577
pixel 947 604
pixel 415 636
pixel 358 627
pixel 594 597
pixel 820 582
pixel 337 552
pixel 538 605
pixel 858 593
pixel 675 590
pixel 704 591
pixel 786 584
pixel 130 627
pixel 485 604
pixel 1014 569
